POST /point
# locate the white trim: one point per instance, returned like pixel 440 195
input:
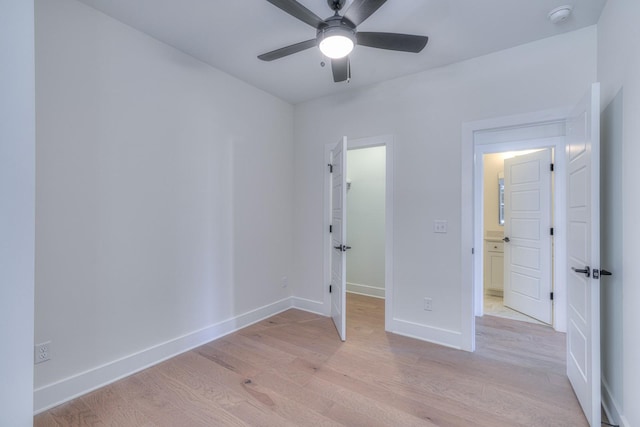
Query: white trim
pixel 471 266
pixel 352 144
pixel 316 307
pixel 370 291
pixel 611 407
pixel 54 394
pixel 445 337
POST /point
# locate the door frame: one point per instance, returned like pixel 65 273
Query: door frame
pixel 511 133
pixel 376 141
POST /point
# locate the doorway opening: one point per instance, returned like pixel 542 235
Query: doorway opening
pixel 522 254
pixel 517 235
pixel 366 182
pixel 369 230
pixel 513 133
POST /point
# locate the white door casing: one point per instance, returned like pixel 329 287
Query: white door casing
pixel 338 236
pixel 583 253
pixel 527 231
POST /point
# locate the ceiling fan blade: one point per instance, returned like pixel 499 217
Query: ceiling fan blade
pixel 288 50
pixel 297 10
pixel 341 68
pixel 360 10
pixel 393 41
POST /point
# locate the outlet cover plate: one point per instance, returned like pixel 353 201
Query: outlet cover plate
pixel 440 226
pixel 42 352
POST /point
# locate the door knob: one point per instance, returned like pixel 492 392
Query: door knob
pixel 506 240
pixel 586 271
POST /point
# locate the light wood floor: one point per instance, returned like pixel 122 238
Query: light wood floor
pixel 291 370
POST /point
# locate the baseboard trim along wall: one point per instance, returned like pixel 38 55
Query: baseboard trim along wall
pixel 311 306
pixel 54 394
pixel 611 407
pixel 370 291
pixel 428 333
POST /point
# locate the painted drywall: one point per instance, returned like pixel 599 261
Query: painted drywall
pixel 365 220
pixel 17 211
pixel 493 165
pixel 619 72
pixel 425 113
pixel 164 198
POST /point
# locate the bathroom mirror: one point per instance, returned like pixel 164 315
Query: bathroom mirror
pixel 501 198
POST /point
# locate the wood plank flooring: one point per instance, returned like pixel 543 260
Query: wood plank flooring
pixel 292 370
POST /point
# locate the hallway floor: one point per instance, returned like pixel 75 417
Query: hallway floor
pixel 494 306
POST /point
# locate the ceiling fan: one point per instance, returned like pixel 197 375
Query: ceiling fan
pixel 337 35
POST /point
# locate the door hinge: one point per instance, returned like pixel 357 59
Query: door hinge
pixel 331 229
pixel 330 168
pixel 551 167
pixel 551 296
pixel 552 231
pixel 329 288
pixel 473 251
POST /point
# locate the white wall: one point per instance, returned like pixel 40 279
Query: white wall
pixel 366 220
pixel 164 200
pixel 17 210
pixel 425 113
pixel 619 73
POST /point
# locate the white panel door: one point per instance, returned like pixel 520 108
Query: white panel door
pixel 583 253
pixel 527 230
pixel 338 236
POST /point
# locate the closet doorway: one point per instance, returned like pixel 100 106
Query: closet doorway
pixel 369 225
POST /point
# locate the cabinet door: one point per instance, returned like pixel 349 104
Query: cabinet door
pixel 497 271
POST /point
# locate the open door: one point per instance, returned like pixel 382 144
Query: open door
pixel 527 231
pixel 583 253
pixel 339 247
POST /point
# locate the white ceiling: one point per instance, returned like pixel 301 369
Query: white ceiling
pixel 229 34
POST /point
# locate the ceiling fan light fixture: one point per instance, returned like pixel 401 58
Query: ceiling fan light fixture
pixel 336 42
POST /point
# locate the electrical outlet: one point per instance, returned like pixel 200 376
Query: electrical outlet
pixel 284 281
pixel 42 352
pixel 428 304
pixel 439 226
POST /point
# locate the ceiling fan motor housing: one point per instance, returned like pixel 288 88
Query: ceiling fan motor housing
pixel 334 26
pixel 336 4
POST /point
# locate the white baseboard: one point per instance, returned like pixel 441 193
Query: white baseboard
pixel 311 306
pixel 367 290
pixel 427 333
pixel 611 407
pixel 54 394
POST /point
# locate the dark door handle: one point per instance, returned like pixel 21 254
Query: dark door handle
pixel 586 271
pixel 506 240
pixel 597 273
